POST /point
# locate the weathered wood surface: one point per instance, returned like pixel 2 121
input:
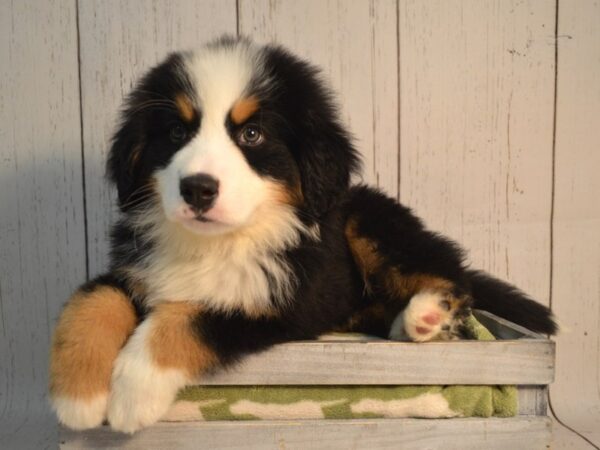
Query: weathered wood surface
pixel 355 43
pixel 42 240
pixel 527 433
pixel 564 438
pixel 464 362
pixel 476 111
pixel 576 238
pixel 120 41
pixel 533 400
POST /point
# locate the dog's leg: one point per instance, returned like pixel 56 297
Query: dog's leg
pixel 414 279
pixel 430 315
pixel 163 355
pixel 91 330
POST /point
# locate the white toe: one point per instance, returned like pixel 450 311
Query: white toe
pixel 80 414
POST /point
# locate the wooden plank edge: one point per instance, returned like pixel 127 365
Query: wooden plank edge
pixel 526 362
pixel 522 432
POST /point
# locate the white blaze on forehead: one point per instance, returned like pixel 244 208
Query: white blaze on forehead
pixel 220 76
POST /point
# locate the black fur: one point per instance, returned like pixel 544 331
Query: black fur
pixel 505 300
pixel 308 146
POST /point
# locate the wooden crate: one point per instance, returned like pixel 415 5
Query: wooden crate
pixel 519 357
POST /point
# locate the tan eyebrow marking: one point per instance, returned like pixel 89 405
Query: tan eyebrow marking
pixel 185 107
pixel 243 108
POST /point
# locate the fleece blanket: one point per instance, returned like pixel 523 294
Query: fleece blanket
pixel 346 402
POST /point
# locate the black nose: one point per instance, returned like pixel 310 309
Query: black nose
pixel 199 191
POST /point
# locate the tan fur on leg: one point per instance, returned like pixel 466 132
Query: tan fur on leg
pixel 172 341
pixel 90 332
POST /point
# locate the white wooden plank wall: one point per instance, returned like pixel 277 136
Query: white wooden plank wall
pixel 477 92
pixel 576 236
pixel 42 241
pixel 452 104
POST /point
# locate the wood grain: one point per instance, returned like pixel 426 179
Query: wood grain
pixel 42 243
pixel 355 43
pixel 524 361
pixel 576 269
pixel 527 433
pixel 121 40
pixel 476 109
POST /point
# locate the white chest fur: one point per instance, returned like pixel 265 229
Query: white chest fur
pixel 243 271
pixel 224 280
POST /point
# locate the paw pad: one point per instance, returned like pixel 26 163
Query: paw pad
pixel 430 316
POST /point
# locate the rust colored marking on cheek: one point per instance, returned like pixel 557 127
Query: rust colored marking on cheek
pixel 90 332
pixel 185 107
pixel 286 194
pixel 173 342
pixel 243 109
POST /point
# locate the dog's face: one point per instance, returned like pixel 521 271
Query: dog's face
pixel 222 136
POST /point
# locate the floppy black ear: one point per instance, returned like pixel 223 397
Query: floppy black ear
pixel 125 166
pixel 321 146
pixel 326 159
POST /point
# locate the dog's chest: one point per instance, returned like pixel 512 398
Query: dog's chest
pixel 224 281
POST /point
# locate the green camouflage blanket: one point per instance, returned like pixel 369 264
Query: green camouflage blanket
pixel 345 402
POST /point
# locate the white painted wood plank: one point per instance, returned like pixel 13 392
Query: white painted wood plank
pixel 42 244
pixel 355 43
pixel 527 433
pixel 576 274
pixel 565 439
pixel 525 361
pixel 476 102
pixel 120 40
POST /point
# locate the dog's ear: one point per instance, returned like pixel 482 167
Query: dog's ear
pixel 326 159
pixel 321 146
pixel 123 159
pixel 125 167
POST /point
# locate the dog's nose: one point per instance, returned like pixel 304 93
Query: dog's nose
pixel 199 191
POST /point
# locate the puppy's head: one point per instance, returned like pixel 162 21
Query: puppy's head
pixel 216 137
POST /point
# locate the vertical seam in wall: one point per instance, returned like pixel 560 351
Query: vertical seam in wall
pixel 237 18
pixel 399 162
pixel 552 202
pixel 374 104
pixel 553 169
pixel 83 180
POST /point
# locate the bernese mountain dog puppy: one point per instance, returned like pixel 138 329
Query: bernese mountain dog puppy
pixel 239 230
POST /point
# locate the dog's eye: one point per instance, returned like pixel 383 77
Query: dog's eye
pixel 250 135
pixel 177 133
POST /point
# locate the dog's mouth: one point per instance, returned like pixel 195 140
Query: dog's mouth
pixel 202 218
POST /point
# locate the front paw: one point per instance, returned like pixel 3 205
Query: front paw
pixel 78 413
pixel 141 392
